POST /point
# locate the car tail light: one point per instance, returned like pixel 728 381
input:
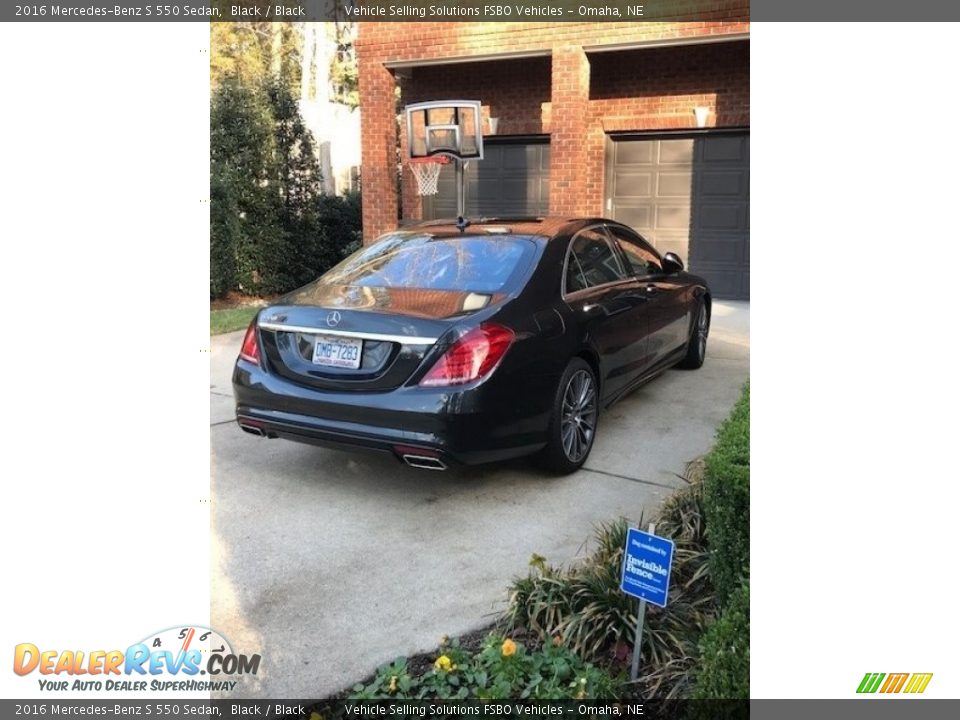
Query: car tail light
pixel 471 357
pixel 250 350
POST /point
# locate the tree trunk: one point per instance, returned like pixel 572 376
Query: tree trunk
pixel 276 48
pixel 306 58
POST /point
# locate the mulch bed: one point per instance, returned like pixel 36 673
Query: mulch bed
pixel 419 664
pixel 472 642
pixel 234 299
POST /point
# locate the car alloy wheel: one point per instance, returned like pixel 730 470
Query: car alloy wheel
pixel 578 420
pixel 701 331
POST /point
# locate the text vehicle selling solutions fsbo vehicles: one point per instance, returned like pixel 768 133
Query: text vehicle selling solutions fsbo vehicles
pixel 472 342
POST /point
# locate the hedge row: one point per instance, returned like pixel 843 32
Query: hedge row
pixel 727 501
pixel 724 668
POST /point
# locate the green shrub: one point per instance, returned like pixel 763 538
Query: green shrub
pixel 224 237
pixel 724 667
pixel 500 669
pixel 709 523
pixel 342 219
pixel 727 501
pixel 245 209
pixel 584 605
pixel 271 227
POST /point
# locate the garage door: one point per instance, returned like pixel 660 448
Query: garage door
pixel 691 196
pixel 512 180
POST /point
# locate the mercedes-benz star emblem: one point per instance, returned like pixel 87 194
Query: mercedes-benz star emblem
pixel 333 319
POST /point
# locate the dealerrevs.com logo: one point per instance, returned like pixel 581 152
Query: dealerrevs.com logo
pixel 910 683
pixel 180 659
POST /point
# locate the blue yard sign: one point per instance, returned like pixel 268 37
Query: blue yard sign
pixel 646 567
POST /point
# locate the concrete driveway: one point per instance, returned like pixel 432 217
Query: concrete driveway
pixel 331 563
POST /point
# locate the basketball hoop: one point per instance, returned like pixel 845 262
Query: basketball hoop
pixel 439 131
pixel 427 172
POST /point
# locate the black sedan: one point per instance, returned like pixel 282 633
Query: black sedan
pixel 468 343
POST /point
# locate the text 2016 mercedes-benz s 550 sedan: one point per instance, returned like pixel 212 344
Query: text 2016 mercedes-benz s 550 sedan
pixel 468 343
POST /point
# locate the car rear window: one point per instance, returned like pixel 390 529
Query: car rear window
pixel 416 260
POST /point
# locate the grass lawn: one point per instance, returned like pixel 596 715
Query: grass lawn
pixel 230 319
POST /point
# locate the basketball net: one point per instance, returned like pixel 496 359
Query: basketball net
pixel 427 172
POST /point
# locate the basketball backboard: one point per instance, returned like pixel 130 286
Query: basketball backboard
pixel 450 127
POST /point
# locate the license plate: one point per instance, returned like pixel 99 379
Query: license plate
pixel 337 352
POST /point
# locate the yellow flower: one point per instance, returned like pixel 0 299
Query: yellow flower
pixel 443 663
pixel 508 648
pixel 316 716
pixel 393 684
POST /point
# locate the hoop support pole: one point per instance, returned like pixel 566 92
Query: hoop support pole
pixel 461 187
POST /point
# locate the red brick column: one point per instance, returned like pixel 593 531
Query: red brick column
pixel 378 140
pixel 569 122
pixel 411 204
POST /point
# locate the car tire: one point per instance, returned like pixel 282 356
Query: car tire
pixel 697 344
pixel 573 422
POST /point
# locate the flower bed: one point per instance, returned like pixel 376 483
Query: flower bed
pixel 500 668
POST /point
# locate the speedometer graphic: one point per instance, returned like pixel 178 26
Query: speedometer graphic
pixel 183 639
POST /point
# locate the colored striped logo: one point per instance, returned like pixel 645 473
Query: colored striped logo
pixel 894 682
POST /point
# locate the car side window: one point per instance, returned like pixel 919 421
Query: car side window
pixel 642 260
pixel 591 261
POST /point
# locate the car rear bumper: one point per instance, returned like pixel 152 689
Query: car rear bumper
pixel 469 426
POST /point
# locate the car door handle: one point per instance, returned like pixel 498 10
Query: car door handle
pixel 597 309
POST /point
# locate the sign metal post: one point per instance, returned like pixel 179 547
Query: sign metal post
pixel 647 560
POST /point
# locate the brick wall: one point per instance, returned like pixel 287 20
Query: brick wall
pixel 378 156
pixel 576 97
pixel 660 85
pixel 570 125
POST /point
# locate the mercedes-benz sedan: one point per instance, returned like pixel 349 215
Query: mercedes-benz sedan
pixel 453 343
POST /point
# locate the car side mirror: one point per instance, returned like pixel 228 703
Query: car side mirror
pixel 672 263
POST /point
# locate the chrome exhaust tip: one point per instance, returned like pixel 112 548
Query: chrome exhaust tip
pixel 253 430
pixel 424 462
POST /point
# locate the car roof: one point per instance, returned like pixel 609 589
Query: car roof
pixel 547 227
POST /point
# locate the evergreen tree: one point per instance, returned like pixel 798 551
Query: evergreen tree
pixel 271 227
pixel 299 180
pixel 246 209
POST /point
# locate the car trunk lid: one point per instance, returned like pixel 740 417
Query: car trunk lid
pixel 359 338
